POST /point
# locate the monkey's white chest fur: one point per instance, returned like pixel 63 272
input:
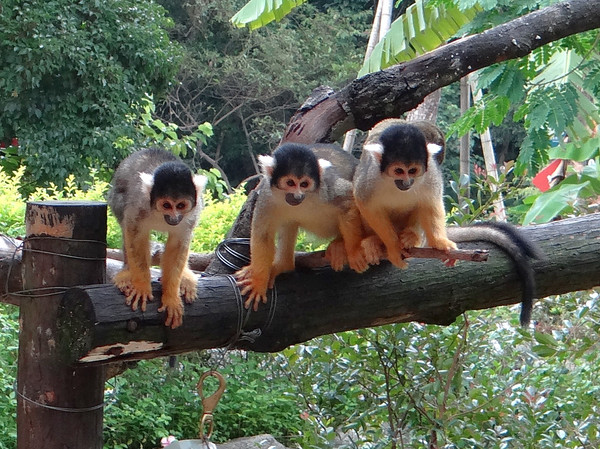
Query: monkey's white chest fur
pixel 324 224
pixel 391 197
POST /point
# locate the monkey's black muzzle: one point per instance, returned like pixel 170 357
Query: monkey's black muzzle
pixel 173 221
pixel 404 185
pixel 293 199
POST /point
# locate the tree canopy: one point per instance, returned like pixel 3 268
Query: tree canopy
pixel 71 75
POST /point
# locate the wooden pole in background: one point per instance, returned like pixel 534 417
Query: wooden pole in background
pixel 58 406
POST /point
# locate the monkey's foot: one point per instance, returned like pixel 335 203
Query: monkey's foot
pixel 357 260
pixel 442 244
pixel 188 286
pixel 396 257
pixel 373 249
pixel 174 309
pixel 253 285
pixel 136 291
pixel 336 254
pixel 409 239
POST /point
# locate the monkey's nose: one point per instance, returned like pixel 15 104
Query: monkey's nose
pixel 173 221
pixel 404 185
pixel 293 199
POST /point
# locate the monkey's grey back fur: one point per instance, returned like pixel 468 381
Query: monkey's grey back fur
pixel 337 179
pixel 126 187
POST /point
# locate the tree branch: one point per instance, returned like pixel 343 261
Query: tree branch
pixel 96 326
pixel 400 88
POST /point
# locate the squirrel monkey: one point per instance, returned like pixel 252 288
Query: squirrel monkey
pixel 308 187
pixel 399 191
pixel 154 190
pixel 398 188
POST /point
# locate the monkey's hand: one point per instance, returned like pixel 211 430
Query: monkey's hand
pixel 174 309
pixel 373 249
pixel 188 286
pixel 136 290
pixel 254 285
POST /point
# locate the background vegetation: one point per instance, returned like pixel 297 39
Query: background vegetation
pixel 82 84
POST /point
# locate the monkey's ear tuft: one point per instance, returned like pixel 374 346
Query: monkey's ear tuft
pixel 147 182
pixel 433 148
pixel 267 164
pixel 324 164
pixel 376 149
pixel 200 183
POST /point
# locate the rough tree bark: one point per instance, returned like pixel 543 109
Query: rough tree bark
pixel 96 326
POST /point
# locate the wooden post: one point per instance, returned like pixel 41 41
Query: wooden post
pixel 58 405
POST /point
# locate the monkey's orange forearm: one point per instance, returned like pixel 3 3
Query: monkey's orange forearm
pixel 174 269
pixel 137 249
pixel 353 232
pixel 381 224
pixel 254 278
pixel 433 221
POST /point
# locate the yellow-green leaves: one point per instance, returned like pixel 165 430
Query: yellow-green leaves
pixel 420 29
pixel 258 13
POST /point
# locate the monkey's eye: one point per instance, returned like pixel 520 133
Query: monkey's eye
pixel 167 205
pixel 304 184
pixel 180 206
pixel 412 171
pixel 290 183
pixel 399 171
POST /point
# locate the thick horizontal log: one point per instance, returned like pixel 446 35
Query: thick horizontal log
pixel 97 327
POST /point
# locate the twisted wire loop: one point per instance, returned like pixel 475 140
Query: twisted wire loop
pixel 225 249
pixel 55 408
pixel 46 292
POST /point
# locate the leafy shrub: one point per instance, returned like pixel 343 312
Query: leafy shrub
pixel 9 341
pixel 154 400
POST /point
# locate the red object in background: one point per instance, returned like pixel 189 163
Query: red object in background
pixel 544 178
pixel 14 142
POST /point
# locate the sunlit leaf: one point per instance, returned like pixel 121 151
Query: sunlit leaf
pixel 420 29
pixel 258 13
pixel 551 203
pixel 577 151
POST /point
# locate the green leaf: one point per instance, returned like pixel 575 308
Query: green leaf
pixel 577 151
pixel 258 13
pixel 543 351
pixel 545 339
pixel 420 29
pixel 551 203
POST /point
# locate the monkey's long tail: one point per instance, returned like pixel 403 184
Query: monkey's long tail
pixel 510 240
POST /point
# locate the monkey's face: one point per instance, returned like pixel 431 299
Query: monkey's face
pixel 295 188
pixel 403 174
pixel 174 210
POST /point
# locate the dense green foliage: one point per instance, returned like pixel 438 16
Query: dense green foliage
pixel 481 382
pixel 76 89
pixel 71 72
pixel 248 84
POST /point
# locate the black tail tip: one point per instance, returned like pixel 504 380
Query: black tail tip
pixel 525 317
